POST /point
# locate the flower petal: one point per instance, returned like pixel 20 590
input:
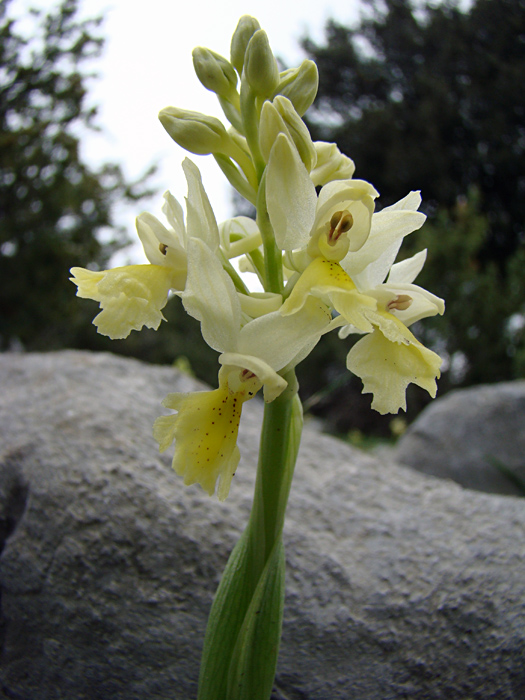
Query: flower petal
pixel 388 360
pixel 241 228
pixel 205 431
pixel 388 229
pixel 211 298
pixel 423 303
pixel 174 213
pixel 277 339
pixel 354 196
pixel 162 247
pixel 130 297
pixel 331 164
pixel 290 196
pixel 327 281
pixel 273 384
pixel 407 270
pixel 201 222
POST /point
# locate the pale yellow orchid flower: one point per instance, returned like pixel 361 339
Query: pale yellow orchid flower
pixel 205 431
pixel 133 296
pixel 389 359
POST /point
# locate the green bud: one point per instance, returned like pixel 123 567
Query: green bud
pixel 260 66
pixel 300 85
pixel 215 72
pixel 281 117
pixel 246 28
pixel 197 133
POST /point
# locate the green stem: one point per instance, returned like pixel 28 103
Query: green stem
pixel 273 267
pixel 234 177
pixel 277 456
pixel 250 121
pixel 234 275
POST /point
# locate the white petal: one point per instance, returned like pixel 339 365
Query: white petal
pixel 278 339
pixel 238 226
pixel 375 273
pixel 354 196
pixel 411 201
pixel 290 196
pixel 174 213
pixel 201 219
pixel 331 164
pixel 341 190
pixel 260 303
pixel 153 234
pixel 389 227
pixel 424 303
pixel 407 270
pixel 210 297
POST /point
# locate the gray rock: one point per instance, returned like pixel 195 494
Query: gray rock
pixel 398 586
pixel 474 436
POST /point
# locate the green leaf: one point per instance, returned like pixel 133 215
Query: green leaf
pixel 252 669
pixel 243 633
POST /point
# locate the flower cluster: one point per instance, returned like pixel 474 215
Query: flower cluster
pixel 323 255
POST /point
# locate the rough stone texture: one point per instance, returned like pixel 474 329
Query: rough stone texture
pixel 468 434
pixel 398 586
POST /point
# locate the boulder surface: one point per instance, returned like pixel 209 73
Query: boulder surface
pixel 474 436
pixel 399 585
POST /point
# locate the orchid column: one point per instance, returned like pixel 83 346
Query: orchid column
pixel 325 260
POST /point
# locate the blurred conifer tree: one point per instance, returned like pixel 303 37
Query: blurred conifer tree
pixel 55 210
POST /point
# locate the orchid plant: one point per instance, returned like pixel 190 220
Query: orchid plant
pixel 325 260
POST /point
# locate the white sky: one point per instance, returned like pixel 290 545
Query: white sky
pixel 147 65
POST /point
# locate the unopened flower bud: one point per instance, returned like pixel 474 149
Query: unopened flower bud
pixel 300 85
pixel 297 130
pixel 215 72
pixel 260 66
pixel 331 164
pixel 279 117
pixel 197 133
pixel 246 28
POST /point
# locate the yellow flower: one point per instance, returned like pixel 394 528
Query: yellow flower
pixel 205 430
pixel 351 281
pixel 389 359
pixel 130 297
